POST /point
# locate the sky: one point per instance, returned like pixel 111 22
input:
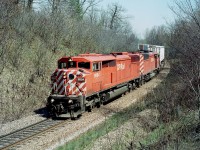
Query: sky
pixel 144 14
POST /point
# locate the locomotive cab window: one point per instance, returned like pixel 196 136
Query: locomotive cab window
pixel 108 63
pixel 146 56
pixel 71 64
pixel 96 66
pixel 65 65
pixel 135 58
pixel 62 65
pixel 85 65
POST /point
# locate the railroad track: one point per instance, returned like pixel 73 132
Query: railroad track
pixel 17 138
pixel 14 139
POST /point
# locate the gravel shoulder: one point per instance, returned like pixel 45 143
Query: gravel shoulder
pixel 73 129
pixel 133 130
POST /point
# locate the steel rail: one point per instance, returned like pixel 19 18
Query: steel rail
pixel 14 139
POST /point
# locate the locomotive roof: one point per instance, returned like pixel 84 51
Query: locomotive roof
pixel 94 58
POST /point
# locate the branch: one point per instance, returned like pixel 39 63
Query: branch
pixel 91 4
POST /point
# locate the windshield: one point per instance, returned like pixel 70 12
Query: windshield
pixel 69 64
pixel 85 65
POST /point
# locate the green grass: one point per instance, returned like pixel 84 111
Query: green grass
pixel 172 128
pixel 155 138
pixel 110 124
pixel 86 139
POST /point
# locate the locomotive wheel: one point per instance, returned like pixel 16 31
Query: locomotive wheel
pixel 142 81
pixel 138 83
pixel 133 86
pixel 89 108
pixel 98 104
pixel 130 87
pixel 158 71
pixel 72 115
pixel 55 115
pixel 54 112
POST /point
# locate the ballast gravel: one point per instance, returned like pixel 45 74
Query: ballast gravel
pixel 72 129
pixel 18 124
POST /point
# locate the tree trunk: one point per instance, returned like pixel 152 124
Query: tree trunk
pixel 30 5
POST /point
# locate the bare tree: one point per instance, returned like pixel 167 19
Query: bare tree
pixel 9 11
pixel 157 35
pixel 30 5
pixel 93 15
pixel 78 8
pixel 184 39
pixel 55 4
pixel 115 13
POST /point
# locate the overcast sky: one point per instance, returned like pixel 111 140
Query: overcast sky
pixel 145 13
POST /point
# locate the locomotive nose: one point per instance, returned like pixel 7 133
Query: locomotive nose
pixel 75 83
pixel 68 82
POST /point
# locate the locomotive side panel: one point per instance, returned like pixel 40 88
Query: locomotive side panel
pixel 135 66
pixel 152 65
pixel 97 77
pixel 149 63
pixel 146 63
pixel 108 73
pixel 123 70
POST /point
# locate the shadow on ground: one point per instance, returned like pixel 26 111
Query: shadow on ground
pixel 42 112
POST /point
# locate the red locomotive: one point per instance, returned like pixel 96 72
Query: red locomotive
pixel 88 80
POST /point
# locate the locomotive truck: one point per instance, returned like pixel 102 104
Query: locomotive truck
pixel 88 80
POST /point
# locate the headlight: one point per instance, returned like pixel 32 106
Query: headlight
pixel 70 101
pixel 52 100
pixel 64 75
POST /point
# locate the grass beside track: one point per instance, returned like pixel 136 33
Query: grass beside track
pixel 165 136
pixel 85 140
pixel 164 131
pixel 110 124
pixel 171 134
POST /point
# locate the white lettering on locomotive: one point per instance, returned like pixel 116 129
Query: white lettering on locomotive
pixel 120 66
pixel 96 75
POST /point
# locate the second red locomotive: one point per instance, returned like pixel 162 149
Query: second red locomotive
pixel 87 80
